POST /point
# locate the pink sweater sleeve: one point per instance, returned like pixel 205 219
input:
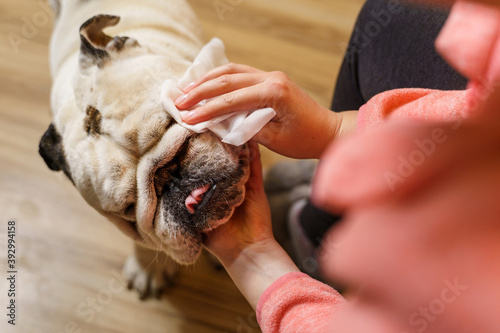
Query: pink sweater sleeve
pixel 423 104
pixel 297 303
pixel 470 42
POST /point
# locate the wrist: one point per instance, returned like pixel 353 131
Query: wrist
pixel 257 266
pixel 332 126
pixel 258 256
pixel 348 123
pixel 326 130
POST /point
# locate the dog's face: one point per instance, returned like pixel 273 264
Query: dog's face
pixel 158 182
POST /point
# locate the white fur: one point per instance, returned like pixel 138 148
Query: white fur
pixel 113 169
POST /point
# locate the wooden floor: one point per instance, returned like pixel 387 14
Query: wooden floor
pixel 69 258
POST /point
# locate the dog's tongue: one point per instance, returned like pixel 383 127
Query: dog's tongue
pixel 195 198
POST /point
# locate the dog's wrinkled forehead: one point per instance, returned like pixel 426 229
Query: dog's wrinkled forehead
pixel 122 102
pixel 119 87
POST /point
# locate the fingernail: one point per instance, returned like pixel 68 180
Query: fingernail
pixel 188 116
pixel 179 101
pixel 188 87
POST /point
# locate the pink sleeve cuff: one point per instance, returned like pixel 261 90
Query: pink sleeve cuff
pixel 297 303
pixel 276 285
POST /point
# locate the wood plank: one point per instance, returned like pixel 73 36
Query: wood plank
pixel 68 253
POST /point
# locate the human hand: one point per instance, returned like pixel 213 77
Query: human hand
pixel 435 221
pixel 245 245
pixel 301 128
pixel 250 225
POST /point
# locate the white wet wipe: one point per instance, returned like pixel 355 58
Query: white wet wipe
pixel 235 128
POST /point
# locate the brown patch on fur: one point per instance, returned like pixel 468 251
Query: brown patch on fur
pixel 132 136
pixel 92 124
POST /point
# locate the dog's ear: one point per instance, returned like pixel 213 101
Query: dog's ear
pixel 94 41
pixel 51 149
pixel 95 44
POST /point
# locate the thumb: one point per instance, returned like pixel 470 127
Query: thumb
pixel 255 182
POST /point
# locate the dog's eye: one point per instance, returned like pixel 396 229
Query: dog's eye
pixel 130 210
pixel 163 176
pixel 170 172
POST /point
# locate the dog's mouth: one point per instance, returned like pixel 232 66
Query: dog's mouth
pixel 189 195
pixel 197 193
pixel 200 197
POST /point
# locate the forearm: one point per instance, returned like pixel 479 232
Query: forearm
pixel 256 267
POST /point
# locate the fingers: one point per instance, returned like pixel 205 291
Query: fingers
pixel 219 71
pixel 256 176
pixel 221 85
pixel 255 197
pixel 239 100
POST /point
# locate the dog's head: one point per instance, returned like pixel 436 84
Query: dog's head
pixel 160 183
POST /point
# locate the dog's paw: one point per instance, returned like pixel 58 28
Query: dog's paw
pixel 150 278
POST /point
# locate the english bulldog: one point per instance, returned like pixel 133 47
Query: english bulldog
pixel 161 184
